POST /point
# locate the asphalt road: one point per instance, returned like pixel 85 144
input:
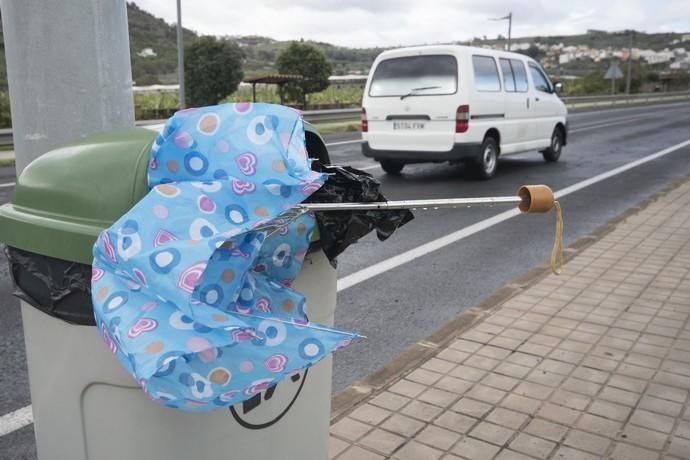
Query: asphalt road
pixel 405 304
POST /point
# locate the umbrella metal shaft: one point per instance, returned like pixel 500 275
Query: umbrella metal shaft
pixel 415 204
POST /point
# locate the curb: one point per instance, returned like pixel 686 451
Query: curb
pixel 348 399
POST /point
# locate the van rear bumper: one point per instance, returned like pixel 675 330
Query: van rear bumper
pixel 460 152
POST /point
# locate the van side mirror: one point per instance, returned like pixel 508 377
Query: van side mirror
pixel 558 87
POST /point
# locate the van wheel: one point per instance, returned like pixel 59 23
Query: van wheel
pixel 553 153
pixel 487 163
pixel 392 166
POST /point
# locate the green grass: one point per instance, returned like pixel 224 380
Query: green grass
pixel 341 127
pixel 5 148
pixel 6 162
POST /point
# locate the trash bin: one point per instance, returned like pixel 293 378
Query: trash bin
pixel 85 405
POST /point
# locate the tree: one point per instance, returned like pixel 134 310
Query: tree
pixel 213 70
pixel 310 62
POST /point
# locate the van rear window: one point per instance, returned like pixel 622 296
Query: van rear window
pixel 415 76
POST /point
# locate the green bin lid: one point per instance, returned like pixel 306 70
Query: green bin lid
pixel 66 197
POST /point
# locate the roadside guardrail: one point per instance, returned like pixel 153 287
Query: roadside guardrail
pixel 572 102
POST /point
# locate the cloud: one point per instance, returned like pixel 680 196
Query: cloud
pixel 367 23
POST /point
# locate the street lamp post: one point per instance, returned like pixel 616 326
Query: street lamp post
pixel 180 55
pixel 509 18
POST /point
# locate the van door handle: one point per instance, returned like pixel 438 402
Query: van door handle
pixel 536 99
pixel 528 103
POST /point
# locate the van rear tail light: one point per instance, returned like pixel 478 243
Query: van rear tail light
pixel 462 119
pixel 365 123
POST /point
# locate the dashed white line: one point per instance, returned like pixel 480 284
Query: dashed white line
pixel 354 141
pixel 427 248
pixel 16 420
pixel 8 185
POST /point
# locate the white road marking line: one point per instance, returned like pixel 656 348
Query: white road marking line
pixel 8 185
pixel 408 256
pixel 16 420
pixel 603 125
pixel 354 141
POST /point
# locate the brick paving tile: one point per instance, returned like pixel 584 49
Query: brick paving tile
pixel 370 414
pixel 581 386
pixel 624 451
pixel 382 441
pixel 524 359
pixel 421 410
pixel 357 453
pixel 628 383
pixel 438 437
pixel 474 449
pixel 482 362
pixel 424 376
pixel 652 421
pixel 643 437
pixel 683 429
pixel 533 390
pixel 438 397
pixel 507 418
pixel 402 425
pixel 489 432
pixel 546 430
pixel 666 392
pixel 471 407
pixel 390 401
pixel 661 406
pixel 558 414
pixel 350 429
pixel 512 370
pixel 680 447
pixel 438 365
pixel 453 356
pixel 616 395
pixel 610 410
pixel 521 404
pixel 453 384
pixel 407 388
pixel 511 455
pixel 465 345
pixel 486 394
pixel 587 442
pixel 336 446
pixel 467 373
pixel 501 382
pixel 570 400
pixel 455 422
pixel 416 451
pixel 531 445
pixel 599 425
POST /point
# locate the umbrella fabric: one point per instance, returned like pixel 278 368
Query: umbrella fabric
pixel 191 288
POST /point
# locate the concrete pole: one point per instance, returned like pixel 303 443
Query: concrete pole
pixel 68 70
pixel 180 56
pixel 629 76
pixel 510 27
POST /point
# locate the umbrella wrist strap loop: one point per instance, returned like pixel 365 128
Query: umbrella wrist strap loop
pixel 557 251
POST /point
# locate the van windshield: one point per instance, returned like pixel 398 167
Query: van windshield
pixel 415 76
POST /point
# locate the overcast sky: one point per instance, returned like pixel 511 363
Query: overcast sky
pixel 366 23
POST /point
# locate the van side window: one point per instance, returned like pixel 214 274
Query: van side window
pixel 508 78
pixel 485 74
pixel 520 75
pixel 541 83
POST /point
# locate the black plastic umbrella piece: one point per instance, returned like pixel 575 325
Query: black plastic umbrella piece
pixel 340 229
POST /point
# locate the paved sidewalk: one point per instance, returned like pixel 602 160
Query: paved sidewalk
pixel 594 363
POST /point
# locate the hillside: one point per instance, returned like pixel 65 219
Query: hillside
pixel 153 36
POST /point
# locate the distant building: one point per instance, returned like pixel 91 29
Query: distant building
pixel 147 52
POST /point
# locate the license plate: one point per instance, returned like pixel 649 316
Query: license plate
pixel 408 125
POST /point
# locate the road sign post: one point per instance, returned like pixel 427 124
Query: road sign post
pixel 612 74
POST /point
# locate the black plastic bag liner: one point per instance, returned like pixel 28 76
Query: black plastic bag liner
pixel 57 287
pixel 340 229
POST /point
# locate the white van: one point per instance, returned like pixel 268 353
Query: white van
pixel 459 104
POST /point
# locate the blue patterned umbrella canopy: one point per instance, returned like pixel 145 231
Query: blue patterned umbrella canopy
pixel 192 287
